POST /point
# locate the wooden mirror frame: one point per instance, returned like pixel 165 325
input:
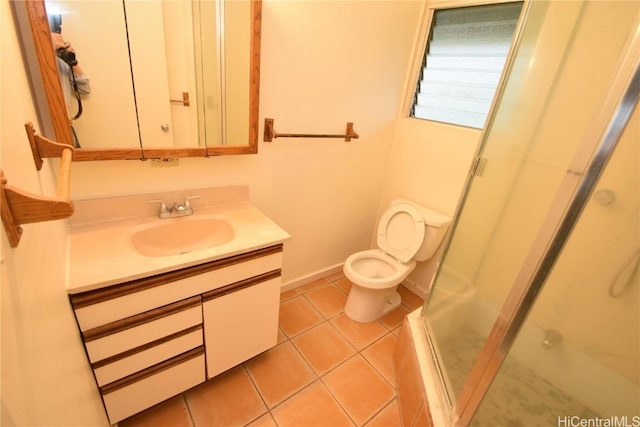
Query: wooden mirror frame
pixel 36 38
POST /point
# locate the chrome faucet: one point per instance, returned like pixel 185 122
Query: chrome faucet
pixel 177 210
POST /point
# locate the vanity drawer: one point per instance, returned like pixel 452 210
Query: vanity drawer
pixel 99 307
pixel 140 358
pixel 144 389
pixel 132 332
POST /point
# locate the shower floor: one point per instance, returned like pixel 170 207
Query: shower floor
pixel 518 396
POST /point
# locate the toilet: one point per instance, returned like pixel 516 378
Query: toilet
pixel 407 232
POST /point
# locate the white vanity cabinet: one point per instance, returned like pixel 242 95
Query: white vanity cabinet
pixel 152 338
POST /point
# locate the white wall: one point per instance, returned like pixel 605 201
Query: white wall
pixel 45 376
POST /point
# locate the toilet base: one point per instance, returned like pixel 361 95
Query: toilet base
pixel 366 305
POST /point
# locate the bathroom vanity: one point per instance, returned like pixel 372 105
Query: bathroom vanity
pixel 158 318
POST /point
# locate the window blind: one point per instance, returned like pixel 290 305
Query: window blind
pixel 466 53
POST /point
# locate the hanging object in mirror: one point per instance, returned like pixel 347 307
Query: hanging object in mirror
pixel 604 196
pixel 552 338
pixel 165 162
pixel 184 101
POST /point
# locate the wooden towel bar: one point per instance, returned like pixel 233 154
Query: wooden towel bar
pixel 270 134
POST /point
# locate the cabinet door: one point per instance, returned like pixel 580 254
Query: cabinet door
pixel 239 324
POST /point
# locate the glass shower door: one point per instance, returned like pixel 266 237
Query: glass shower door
pixel 566 58
pixel 577 357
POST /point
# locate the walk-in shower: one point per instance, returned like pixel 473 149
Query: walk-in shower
pixel 533 318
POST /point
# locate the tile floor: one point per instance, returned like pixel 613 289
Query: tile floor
pixel 326 370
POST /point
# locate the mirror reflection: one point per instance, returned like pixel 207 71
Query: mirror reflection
pixel 155 74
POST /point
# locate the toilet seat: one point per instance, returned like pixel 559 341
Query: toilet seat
pixel 401 231
pixel 376 270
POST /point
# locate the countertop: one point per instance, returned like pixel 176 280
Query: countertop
pixel 101 252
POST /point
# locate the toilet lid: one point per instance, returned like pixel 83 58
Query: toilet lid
pixel 401 231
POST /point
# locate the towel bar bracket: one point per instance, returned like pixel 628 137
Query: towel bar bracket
pixel 184 101
pixel 21 207
pixel 43 148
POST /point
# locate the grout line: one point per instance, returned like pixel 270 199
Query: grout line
pixel 295 393
pixel 320 377
pixel 395 393
pixel 357 353
pixel 255 388
pixel 333 367
pixel 393 386
pixel 338 401
pixel 186 403
pixel 393 400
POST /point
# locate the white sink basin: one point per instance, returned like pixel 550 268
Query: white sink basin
pixel 182 235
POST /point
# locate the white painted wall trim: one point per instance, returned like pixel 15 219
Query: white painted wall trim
pixel 293 284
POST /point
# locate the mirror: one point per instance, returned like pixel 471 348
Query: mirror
pixel 136 93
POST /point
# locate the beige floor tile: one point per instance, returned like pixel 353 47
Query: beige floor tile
pixel 172 413
pixel 312 407
pixel 323 347
pixel 358 334
pixel 394 318
pixel 279 373
pixel 335 276
pixel 328 300
pixel 361 391
pixel 380 355
pixel 282 337
pixel 229 399
pixel 265 421
pixel 388 417
pixel 289 294
pixel 344 284
pixel 298 315
pixel 312 285
pixel 409 299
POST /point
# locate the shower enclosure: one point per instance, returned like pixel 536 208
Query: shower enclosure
pixel 533 318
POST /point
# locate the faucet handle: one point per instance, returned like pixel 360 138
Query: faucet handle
pixel 164 212
pixel 187 205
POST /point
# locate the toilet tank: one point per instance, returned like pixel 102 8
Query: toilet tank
pixel 436 224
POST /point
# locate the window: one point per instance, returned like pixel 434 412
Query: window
pixel 465 55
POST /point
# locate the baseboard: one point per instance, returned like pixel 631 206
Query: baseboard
pixel 311 277
pixel 413 287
